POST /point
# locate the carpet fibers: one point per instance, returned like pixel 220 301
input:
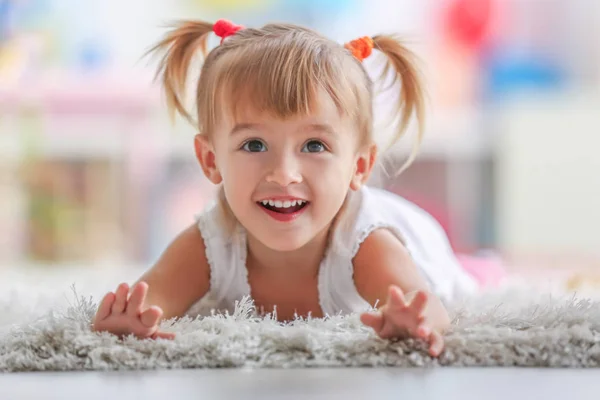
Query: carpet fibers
pixel 508 329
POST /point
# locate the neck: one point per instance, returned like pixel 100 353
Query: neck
pixel 302 262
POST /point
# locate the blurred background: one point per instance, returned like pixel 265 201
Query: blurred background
pixel 93 174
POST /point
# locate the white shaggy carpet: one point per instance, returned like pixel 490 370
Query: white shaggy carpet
pixel 512 328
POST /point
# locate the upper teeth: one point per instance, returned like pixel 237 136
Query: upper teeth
pixel 283 204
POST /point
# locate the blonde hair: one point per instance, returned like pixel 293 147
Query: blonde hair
pixel 282 68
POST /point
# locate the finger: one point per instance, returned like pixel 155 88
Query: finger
pixel 137 298
pixel 436 344
pixel 163 335
pixel 121 298
pixel 105 306
pixel 419 302
pixel 390 331
pixel 423 332
pixel 151 316
pixel 373 319
pixel 396 297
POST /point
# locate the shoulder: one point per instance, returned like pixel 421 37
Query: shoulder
pixel 187 259
pixel 188 246
pixel 383 260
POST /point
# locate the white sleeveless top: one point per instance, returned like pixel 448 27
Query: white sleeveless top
pixel 366 210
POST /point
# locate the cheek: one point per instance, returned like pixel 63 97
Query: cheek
pixel 332 175
pixel 240 175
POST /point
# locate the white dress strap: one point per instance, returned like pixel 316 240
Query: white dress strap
pixel 226 256
pixel 337 290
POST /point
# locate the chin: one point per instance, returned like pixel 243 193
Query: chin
pixel 283 242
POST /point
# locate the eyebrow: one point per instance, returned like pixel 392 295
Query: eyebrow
pixel 324 128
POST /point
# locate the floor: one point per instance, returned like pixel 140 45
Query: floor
pixel 347 384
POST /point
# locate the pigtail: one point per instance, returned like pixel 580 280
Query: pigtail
pixel 411 101
pixel 180 46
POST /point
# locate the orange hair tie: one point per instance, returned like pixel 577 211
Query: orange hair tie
pixel 223 28
pixel 360 48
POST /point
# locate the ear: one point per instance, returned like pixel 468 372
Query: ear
pixel 363 166
pixel 206 157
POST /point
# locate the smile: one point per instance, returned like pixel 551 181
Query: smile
pixel 283 210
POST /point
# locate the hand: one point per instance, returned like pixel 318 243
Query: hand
pixel 122 316
pixel 397 318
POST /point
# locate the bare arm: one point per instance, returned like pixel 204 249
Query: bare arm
pixel 180 277
pixel 383 261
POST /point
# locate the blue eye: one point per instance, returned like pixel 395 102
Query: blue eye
pixel 313 146
pixel 254 146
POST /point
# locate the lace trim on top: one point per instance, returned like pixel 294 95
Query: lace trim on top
pixel 208 234
pixel 242 250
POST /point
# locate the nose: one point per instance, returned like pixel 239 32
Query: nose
pixel 284 171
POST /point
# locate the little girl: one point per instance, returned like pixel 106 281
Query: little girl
pixel 285 122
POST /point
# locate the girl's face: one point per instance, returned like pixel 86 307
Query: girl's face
pixel 286 179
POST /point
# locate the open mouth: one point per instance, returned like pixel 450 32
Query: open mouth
pixel 287 207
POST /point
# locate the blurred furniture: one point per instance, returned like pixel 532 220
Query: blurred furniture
pixel 547 180
pixel 92 171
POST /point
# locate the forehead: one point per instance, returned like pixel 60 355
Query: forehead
pixel 322 110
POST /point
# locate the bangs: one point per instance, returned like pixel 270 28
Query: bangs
pixel 284 77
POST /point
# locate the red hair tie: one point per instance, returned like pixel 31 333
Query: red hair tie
pixel 360 48
pixel 223 28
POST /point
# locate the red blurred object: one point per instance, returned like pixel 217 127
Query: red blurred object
pixel 468 21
